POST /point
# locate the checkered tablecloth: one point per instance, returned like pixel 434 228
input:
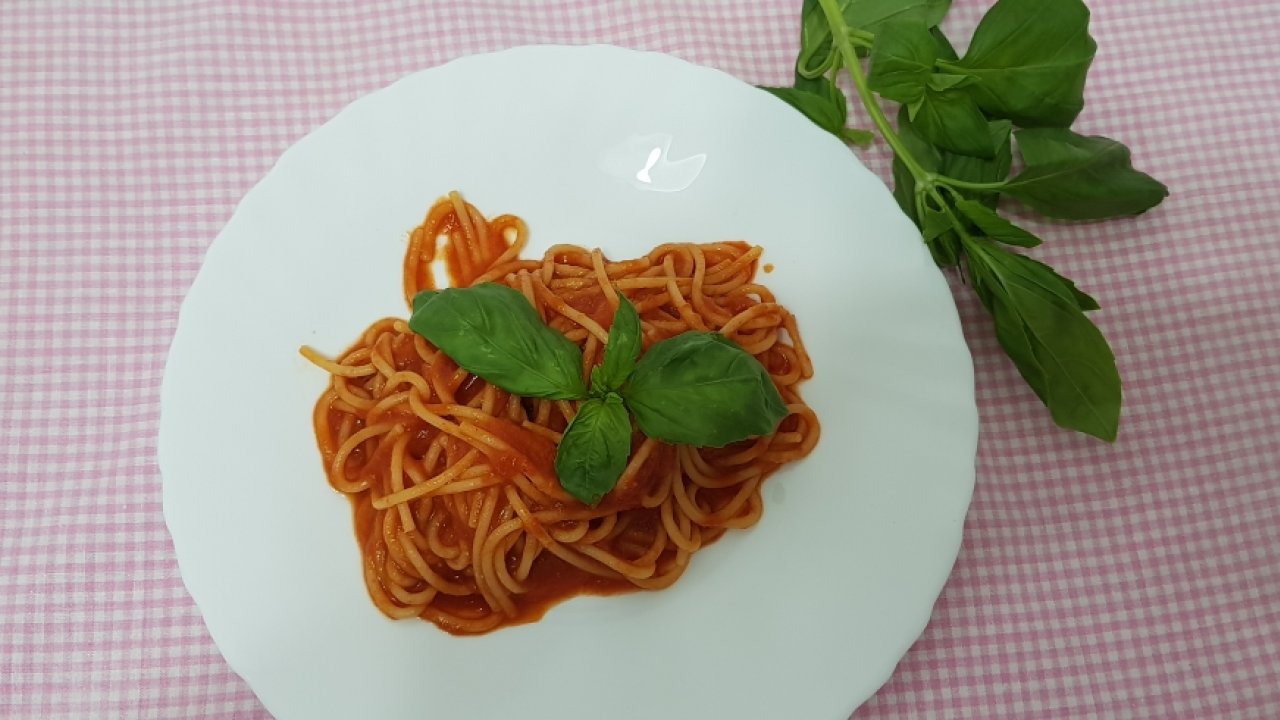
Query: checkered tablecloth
pixel 1140 580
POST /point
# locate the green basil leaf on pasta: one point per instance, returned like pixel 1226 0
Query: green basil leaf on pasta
pixel 702 389
pixel 422 297
pixel 493 332
pixel 621 351
pixel 594 449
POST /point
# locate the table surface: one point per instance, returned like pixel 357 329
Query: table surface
pixel 1134 580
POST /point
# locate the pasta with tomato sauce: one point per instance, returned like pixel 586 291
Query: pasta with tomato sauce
pixel 459 513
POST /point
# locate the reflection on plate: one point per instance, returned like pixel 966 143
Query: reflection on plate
pixel 645 162
pixel 804 615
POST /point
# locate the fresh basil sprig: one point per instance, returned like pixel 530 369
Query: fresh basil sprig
pixel 1019 86
pixel 697 388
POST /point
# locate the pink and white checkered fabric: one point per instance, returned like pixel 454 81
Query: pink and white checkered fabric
pixel 1140 580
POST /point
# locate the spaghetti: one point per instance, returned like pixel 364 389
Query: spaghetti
pixel 458 512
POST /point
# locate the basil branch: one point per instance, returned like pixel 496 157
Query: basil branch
pixel 1019 85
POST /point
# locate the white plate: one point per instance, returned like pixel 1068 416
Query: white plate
pixel 803 616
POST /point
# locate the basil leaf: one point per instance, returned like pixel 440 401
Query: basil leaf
pixel 826 107
pixel 994 226
pixel 902 61
pixel 953 122
pixel 493 332
pixel 1078 177
pixel 594 449
pixel 621 351
pixel 1031 58
pixel 981 170
pixel 1083 300
pixel 817 85
pixel 1060 353
pixel 1011 332
pixel 873 15
pixel 702 389
pixel 422 297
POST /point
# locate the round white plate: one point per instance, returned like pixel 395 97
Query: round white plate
pixel 803 616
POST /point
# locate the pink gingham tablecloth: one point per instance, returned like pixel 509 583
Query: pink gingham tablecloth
pixel 1140 580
